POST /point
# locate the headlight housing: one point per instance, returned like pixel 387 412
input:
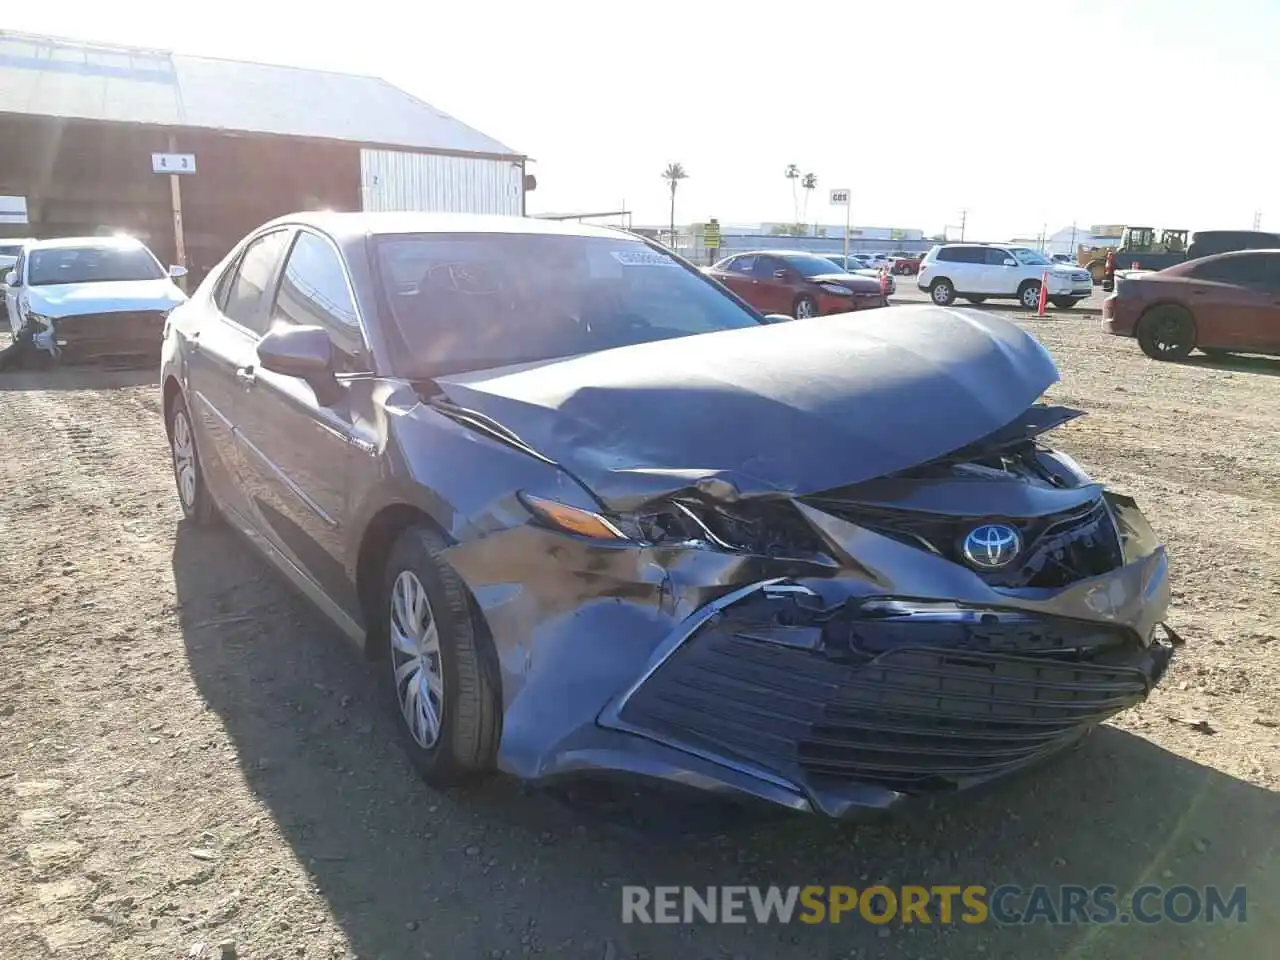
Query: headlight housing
pixel 772 529
pixel 837 289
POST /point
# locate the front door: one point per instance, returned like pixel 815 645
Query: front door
pixel 773 293
pixel 222 345
pixel 300 447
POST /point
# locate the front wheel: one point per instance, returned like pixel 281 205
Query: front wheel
pixel 1167 333
pixel 1029 295
pixel 1063 303
pixel 804 308
pixel 942 293
pixel 439 678
pixel 193 494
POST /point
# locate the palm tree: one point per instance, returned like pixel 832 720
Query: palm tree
pixel 674 173
pixel 793 174
pixel 810 183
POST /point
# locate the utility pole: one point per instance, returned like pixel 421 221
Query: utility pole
pixel 1257 219
pixel 964 215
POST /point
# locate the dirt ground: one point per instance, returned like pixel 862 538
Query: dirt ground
pixel 193 763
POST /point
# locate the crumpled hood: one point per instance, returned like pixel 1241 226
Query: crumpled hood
pixel 74 299
pixel 779 409
pixel 856 280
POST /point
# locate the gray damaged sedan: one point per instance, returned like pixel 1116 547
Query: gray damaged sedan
pixel 592 514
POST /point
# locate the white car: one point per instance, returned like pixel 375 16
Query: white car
pixel 9 250
pixel 983 271
pixel 92 295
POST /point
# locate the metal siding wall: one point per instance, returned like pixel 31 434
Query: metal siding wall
pixel 399 180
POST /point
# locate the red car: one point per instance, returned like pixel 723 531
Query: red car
pixel 797 284
pixel 908 265
pixel 1229 303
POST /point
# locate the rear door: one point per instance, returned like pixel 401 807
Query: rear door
pixel 222 346
pixel 300 448
pixel 1235 301
pixel 736 274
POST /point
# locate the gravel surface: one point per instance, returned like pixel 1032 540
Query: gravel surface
pixel 193 762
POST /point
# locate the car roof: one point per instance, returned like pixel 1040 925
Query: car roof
pixel 60 243
pixel 352 226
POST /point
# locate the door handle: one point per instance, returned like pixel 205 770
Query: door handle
pixel 246 376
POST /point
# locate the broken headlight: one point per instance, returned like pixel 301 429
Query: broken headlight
pixel 765 528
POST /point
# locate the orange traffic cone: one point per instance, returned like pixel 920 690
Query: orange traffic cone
pixel 1044 293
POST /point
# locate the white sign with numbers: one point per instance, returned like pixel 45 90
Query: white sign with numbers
pixel 173 163
pixel 839 198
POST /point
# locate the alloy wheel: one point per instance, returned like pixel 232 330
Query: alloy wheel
pixel 415 660
pixel 1031 297
pixel 804 308
pixel 184 459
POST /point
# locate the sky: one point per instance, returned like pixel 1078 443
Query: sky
pixel 1023 114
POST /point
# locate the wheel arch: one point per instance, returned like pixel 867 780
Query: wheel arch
pixel 169 391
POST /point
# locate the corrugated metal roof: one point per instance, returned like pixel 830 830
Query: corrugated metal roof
pixel 45 76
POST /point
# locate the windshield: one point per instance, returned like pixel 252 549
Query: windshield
pixel 10 249
pixel 810 266
pixel 91 265
pixel 480 300
pixel 1028 257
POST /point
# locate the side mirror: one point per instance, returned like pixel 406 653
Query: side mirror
pixel 11 278
pixel 780 274
pixel 1010 262
pixel 777 318
pixel 177 271
pixel 303 352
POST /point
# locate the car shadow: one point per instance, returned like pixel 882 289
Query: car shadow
pixel 504 870
pixel 1237 363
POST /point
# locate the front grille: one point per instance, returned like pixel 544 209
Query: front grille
pixel 913 718
pixel 1081 276
pixel 95 336
pixel 1058 549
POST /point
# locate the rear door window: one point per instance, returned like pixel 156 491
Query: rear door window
pixel 249 284
pixel 1250 271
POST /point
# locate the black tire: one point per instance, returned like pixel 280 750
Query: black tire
pixel 1063 303
pixel 194 498
pixel 1166 333
pixel 470 718
pixel 942 292
pixel 1029 294
pixel 804 307
pixel 976 299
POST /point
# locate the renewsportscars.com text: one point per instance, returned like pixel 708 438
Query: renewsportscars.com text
pixel 1007 904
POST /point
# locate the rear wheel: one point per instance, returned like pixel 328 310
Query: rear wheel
pixel 1029 294
pixel 193 495
pixel 804 307
pixel 1166 333
pixel 942 293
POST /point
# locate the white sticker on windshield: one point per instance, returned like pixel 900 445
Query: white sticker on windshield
pixel 643 258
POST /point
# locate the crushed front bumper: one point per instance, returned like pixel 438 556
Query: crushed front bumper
pixel 854 712
pixel 840 690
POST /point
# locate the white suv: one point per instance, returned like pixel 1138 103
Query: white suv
pixel 982 271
